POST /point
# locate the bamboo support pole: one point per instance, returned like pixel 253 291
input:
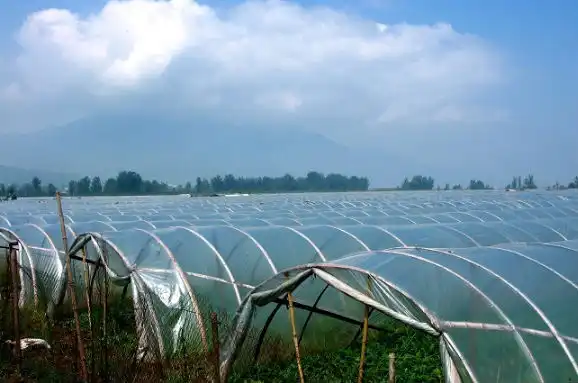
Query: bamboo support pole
pixel 71 290
pixel 87 297
pixel 295 337
pixel 364 336
pixel 363 344
pixel 105 314
pixel 15 294
pixel 391 369
pixel 216 351
pixel 86 288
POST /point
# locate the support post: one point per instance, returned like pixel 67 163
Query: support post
pixel 15 297
pixel 364 336
pixel 363 344
pixel 86 288
pixel 294 331
pixel 71 290
pixel 391 370
pixel 105 310
pixel 216 351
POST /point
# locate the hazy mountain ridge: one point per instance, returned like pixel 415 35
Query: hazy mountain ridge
pixel 17 175
pixel 177 150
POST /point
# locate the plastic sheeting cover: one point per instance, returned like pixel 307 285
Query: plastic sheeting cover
pixel 507 312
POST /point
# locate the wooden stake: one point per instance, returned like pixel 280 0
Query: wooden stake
pixel 391 370
pixel 216 356
pixel 86 288
pixel 15 294
pixel 364 336
pixel 87 297
pixel 71 290
pixel 295 338
pixel 363 344
pixel 105 314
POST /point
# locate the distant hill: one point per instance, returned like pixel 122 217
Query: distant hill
pixel 179 149
pixel 11 174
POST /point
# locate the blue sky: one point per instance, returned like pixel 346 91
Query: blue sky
pixel 498 76
pixel 539 37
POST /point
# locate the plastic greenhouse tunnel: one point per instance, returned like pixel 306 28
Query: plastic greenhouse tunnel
pixel 494 324
pixel 492 279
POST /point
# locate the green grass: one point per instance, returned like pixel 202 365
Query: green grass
pixel 417 360
pixel 417 354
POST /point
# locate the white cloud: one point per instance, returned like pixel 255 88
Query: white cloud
pixel 287 101
pixel 261 58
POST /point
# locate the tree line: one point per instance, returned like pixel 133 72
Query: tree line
pixel 522 184
pixel 420 182
pixel 558 186
pixel 132 183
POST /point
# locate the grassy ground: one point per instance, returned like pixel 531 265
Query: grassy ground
pixel 113 358
pixel 417 359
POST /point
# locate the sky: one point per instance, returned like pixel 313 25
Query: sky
pixel 442 79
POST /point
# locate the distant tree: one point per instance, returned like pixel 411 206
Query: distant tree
pixel 229 183
pixel 72 187
pixel 315 180
pixel 217 184
pixel 478 185
pixel 37 186
pixel 110 186
pixel 457 187
pixel 96 186
pixel 514 184
pixel 288 183
pixel 573 184
pixel 418 182
pixel 519 184
pixel 25 190
pixel 202 186
pixel 34 188
pixel 447 187
pixel 83 186
pixel 51 190
pixel 131 183
pixel 529 182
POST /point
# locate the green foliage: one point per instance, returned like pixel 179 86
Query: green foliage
pixel 478 185
pixel 456 187
pixel 573 184
pixel 416 353
pixel 313 181
pixel 418 183
pixel 132 183
pixel 519 184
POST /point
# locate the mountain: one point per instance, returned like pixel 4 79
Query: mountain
pixel 180 149
pixel 16 175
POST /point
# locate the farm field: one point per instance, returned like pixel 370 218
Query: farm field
pixel 457 286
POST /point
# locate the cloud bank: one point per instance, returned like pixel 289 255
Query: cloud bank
pixel 259 60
